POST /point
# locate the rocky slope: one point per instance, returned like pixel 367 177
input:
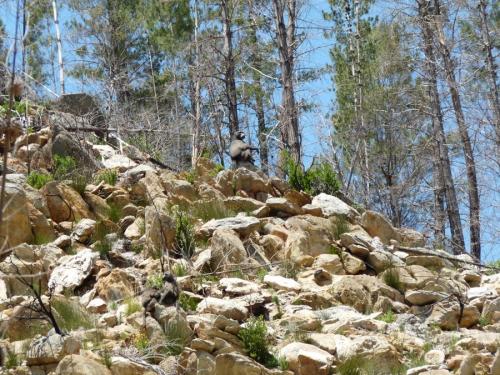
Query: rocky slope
pixel 338 290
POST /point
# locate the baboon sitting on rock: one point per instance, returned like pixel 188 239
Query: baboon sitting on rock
pixel 241 152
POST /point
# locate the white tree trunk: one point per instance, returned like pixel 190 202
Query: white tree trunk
pixel 59 46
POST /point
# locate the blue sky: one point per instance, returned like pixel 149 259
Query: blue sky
pixel 315 124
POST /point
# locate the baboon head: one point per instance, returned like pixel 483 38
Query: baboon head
pixel 240 136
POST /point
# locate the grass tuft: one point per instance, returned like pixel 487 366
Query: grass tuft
pixel 70 315
pixel 254 337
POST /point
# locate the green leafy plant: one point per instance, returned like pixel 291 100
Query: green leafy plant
pixel 388 317
pixel 70 315
pixel 261 273
pixel 38 179
pixel 392 279
pixel 141 342
pixel 185 242
pixel 319 178
pixel 179 270
pixel 132 305
pixel 485 320
pixel 187 302
pixel 254 337
pixel 12 360
pixel 155 281
pixel 114 212
pixel 109 176
pixel 63 166
pixel 176 336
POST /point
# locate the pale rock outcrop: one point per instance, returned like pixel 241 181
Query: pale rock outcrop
pixel 83 230
pixel 228 308
pixel 378 225
pixel 117 284
pixel 72 270
pixel 282 283
pixel 305 359
pixel 46 350
pixel 16 227
pixel 243 225
pixel 333 206
pixel 227 250
pixel 64 203
pixel 75 364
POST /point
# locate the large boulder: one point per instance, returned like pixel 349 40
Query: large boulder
pixel 306 359
pixel 118 284
pixel 79 365
pixel 244 225
pixel 46 350
pixel 238 364
pixel 64 144
pixel 309 235
pixel 231 309
pixel 72 271
pixel 159 230
pixel 227 250
pixel 16 227
pixel 64 203
pixel 333 206
pixel 377 225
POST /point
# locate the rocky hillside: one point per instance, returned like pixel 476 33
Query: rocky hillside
pixel 113 265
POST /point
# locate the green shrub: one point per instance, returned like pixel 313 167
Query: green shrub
pixel 391 278
pixel 70 315
pixel 141 342
pixel 187 302
pixel 63 166
pixel 155 281
pixel 261 273
pixel 179 270
pixel 38 179
pixel 185 242
pixel 12 360
pixel 79 182
pixel 288 269
pixel 341 227
pixel 109 176
pixel 255 341
pixel 208 210
pixel 319 178
pixel 114 212
pixel 132 306
pixel 388 317
pixel 176 336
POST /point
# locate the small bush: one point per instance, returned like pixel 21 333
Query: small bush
pixel 12 360
pixel 79 182
pixel 63 166
pixel 70 315
pixel 114 212
pixel 155 281
pixel 255 341
pixel 208 210
pixel 261 273
pixel 341 227
pixel 319 178
pixel 109 176
pixel 179 270
pixel 188 303
pixel 388 317
pixel 38 179
pixel 485 320
pixel 391 278
pixel 132 306
pixel 141 342
pixel 176 336
pixel 185 242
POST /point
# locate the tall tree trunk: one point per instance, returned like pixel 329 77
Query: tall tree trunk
pixel 59 46
pixel 449 70
pixel 259 102
pixel 195 93
pixel 286 39
pixel 452 208
pixel 229 69
pixel 491 69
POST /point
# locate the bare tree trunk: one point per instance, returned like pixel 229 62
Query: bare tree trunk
pixel 449 70
pixel 286 40
pixel 259 102
pixel 59 47
pixel 229 69
pixel 491 67
pixel 195 94
pixel 453 211
pixel 439 198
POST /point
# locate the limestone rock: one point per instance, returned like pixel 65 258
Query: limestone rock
pixel 16 227
pixel 117 285
pixel 46 350
pixel 243 225
pixel 64 203
pixel 242 204
pixel 229 309
pixel 83 230
pixel 226 250
pixel 333 206
pixel 282 283
pixel 235 286
pixel 282 205
pixel 79 365
pixel 306 359
pixel 72 270
pixel 238 364
pixel 377 225
pixel 120 162
pixel 159 230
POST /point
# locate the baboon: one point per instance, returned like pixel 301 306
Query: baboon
pixel 241 152
pixel 16 89
pixel 167 295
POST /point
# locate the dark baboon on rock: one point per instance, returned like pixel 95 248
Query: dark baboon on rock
pixel 241 152
pixel 16 89
pixel 167 295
